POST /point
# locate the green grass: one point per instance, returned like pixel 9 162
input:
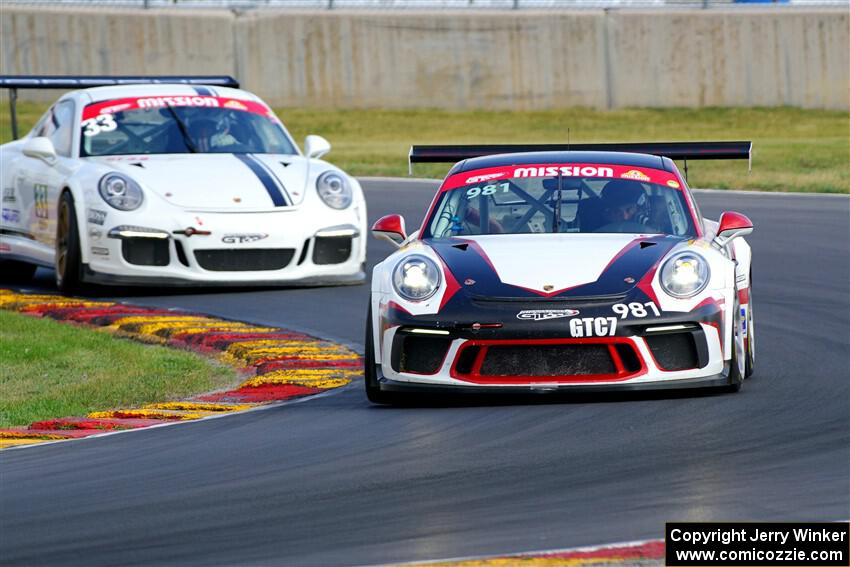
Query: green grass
pixel 48 369
pixel 794 149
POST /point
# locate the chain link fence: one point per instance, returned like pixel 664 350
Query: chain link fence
pixel 426 4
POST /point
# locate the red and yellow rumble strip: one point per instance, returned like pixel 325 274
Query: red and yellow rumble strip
pixel 639 553
pixel 282 364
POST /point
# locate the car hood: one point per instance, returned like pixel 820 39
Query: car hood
pixel 552 265
pixel 218 182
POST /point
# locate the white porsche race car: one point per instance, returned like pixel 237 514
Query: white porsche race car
pixel 173 181
pixel 562 268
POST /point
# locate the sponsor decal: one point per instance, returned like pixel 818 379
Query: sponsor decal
pixel 673 183
pixel 565 170
pixel 11 215
pixel 40 191
pixel 95 216
pixel 95 233
pixel 242 238
pixel 110 107
pixel 162 101
pixel 5 247
pixel 235 104
pixel 487 177
pixel 116 108
pixel 593 327
pixel 545 314
pixel 638 310
pixel 635 174
pixel 9 195
pixel 100 251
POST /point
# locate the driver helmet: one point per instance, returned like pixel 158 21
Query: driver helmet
pixel 624 199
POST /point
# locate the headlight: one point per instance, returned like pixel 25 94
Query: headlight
pixel 334 190
pixel 684 275
pixel 120 192
pixel 416 278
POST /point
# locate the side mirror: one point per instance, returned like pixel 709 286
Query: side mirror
pixel 390 228
pixel 732 225
pixel 316 146
pixel 40 148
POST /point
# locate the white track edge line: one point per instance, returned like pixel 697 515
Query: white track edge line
pixel 262 407
pixel 612 546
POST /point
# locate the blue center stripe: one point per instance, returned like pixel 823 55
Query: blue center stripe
pixel 203 91
pixel 266 179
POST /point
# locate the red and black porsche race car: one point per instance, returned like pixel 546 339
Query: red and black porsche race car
pixel 543 268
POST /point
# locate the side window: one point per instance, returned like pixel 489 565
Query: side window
pixel 60 127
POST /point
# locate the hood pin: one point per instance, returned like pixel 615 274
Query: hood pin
pixel 629 279
pixel 469 281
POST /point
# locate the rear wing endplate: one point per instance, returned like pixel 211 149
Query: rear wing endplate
pixel 68 82
pixel 673 150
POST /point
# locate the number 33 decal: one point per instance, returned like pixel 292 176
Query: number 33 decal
pixel 94 126
pixel 637 309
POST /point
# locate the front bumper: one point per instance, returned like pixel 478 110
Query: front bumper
pixel 288 248
pixel 492 351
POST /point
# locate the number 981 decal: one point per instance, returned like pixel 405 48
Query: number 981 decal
pixel 637 310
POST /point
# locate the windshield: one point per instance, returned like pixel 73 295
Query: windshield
pixel 608 199
pixel 181 124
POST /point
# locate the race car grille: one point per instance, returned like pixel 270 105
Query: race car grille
pixel 250 260
pixel 547 361
pixel 674 351
pixel 145 251
pixel 331 249
pixel 418 354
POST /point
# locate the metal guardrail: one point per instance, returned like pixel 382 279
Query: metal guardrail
pixel 427 4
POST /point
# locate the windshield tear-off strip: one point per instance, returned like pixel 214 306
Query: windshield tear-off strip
pixel 271 188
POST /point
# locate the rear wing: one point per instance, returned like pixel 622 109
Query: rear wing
pixel 673 150
pixel 68 82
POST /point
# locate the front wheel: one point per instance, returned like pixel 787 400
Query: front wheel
pixel 750 340
pixel 738 364
pixel 370 374
pixel 68 263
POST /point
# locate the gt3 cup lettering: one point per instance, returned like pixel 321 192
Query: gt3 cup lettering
pixel 242 238
pixel 544 314
pixel 593 327
pixel 40 191
pixel 102 123
pixel 637 310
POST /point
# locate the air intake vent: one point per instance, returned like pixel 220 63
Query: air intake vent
pixel 251 260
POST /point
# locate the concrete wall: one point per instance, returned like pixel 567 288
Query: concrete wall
pixel 480 59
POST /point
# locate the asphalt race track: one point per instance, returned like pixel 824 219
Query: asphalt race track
pixel 336 481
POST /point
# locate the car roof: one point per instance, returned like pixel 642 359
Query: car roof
pixel 613 158
pixel 98 94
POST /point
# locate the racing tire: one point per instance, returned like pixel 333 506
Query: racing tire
pixel 68 262
pixel 737 363
pixel 15 272
pixel 750 343
pixel 370 374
